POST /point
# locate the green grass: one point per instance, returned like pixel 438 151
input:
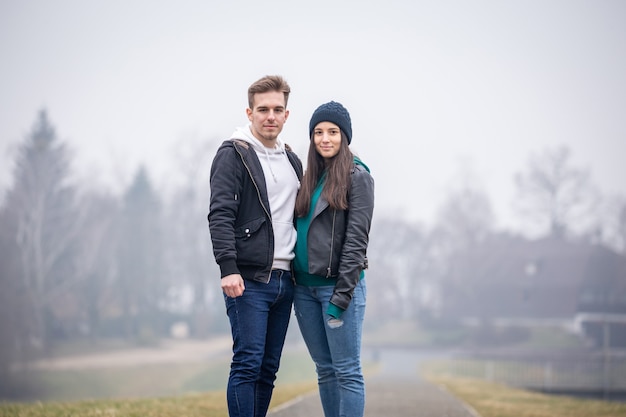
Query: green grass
pixel 163 390
pixel 123 382
pixel 297 378
pixel 534 374
pixel 488 399
pixel 551 338
pixel 210 404
pixel 497 400
pixel 197 389
pixel 157 380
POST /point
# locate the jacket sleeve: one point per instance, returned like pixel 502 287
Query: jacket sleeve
pixel 354 250
pixel 223 208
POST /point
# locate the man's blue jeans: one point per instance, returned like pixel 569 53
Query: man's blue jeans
pixel 258 320
pixel 335 347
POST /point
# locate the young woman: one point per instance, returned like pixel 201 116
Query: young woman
pixel 334 211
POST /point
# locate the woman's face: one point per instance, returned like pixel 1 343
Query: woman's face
pixel 327 139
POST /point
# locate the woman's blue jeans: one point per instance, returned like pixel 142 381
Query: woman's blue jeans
pixel 335 347
pixel 258 320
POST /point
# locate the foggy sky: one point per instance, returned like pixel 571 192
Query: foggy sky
pixel 439 92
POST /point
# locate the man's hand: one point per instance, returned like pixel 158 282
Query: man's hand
pixel 233 285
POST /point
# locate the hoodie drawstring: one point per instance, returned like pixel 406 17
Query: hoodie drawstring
pixel 269 164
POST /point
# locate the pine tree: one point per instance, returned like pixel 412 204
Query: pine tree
pixel 140 273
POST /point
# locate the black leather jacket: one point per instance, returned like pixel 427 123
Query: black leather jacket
pixel 337 239
pixel 241 234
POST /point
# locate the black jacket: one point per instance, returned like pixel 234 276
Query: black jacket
pixel 241 234
pixel 337 239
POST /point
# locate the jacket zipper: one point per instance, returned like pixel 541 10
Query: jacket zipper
pixel 258 192
pixel 332 243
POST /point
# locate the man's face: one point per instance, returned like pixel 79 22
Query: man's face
pixel 268 116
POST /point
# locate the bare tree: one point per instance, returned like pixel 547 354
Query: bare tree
pixel 95 262
pixel 465 218
pixel 189 255
pixel 554 194
pixel 14 314
pixel 398 259
pixel 613 224
pixel 41 205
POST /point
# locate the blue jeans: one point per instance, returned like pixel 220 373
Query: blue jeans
pixel 258 320
pixel 335 347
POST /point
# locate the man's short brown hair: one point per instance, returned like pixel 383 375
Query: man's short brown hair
pixel 266 84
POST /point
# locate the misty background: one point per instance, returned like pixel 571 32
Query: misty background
pixel 436 90
pixel 494 131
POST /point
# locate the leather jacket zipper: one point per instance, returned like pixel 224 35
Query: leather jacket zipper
pixel 332 243
pixel 258 192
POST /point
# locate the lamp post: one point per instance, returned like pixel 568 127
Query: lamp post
pixel 530 270
pixel 606 350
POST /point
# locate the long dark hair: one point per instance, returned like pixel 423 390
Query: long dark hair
pixel 337 181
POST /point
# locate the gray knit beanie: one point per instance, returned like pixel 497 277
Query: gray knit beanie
pixel 332 112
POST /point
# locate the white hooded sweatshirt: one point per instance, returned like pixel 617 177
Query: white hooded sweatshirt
pixel 282 186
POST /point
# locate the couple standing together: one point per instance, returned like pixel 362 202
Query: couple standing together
pixel 282 238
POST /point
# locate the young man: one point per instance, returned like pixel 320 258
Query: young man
pixel 254 182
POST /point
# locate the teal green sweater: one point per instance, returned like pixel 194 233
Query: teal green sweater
pixel 301 260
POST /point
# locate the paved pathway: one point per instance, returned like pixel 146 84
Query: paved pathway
pixel 395 391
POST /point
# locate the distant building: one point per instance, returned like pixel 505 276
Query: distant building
pixel 513 281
